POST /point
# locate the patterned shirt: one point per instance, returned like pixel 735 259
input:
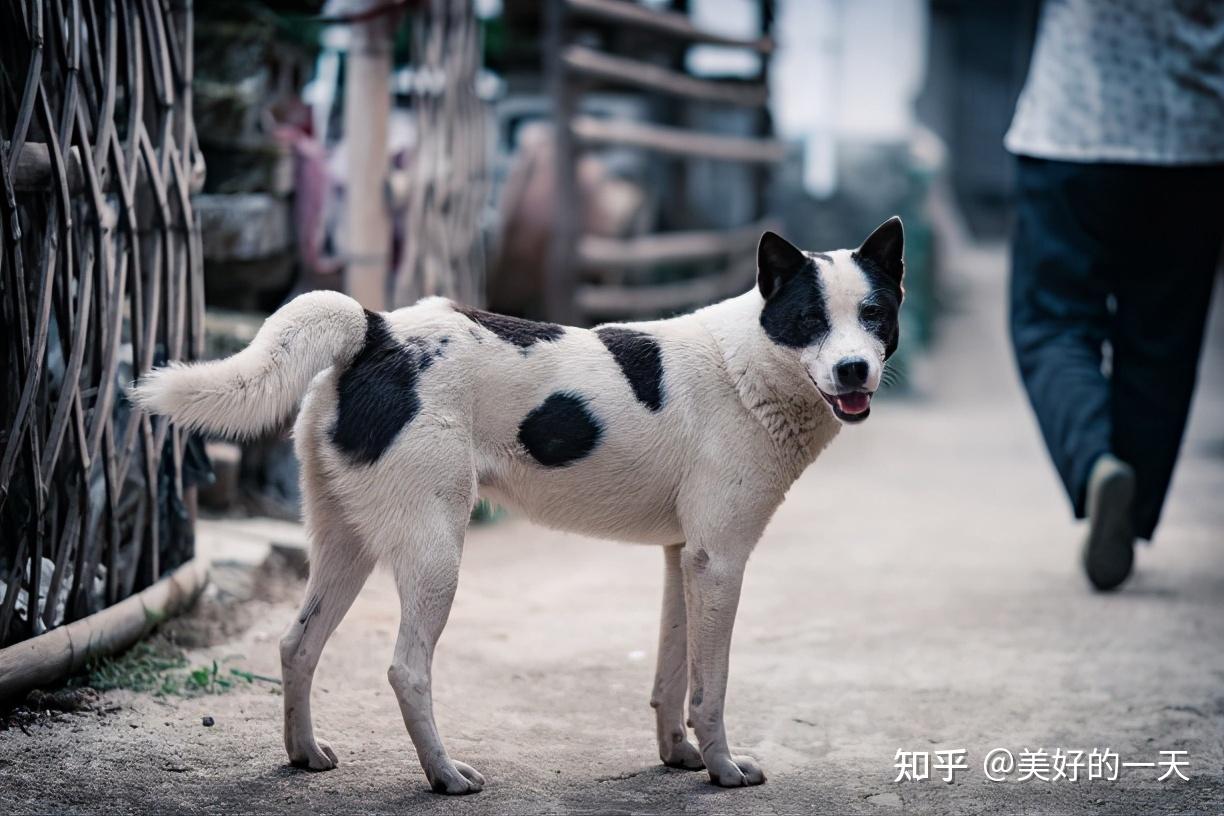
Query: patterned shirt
pixel 1138 81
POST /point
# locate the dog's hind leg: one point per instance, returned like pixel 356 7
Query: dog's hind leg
pixel 427 573
pixel 339 567
pixel 671 671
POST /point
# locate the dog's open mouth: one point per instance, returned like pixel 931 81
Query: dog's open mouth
pixel 850 407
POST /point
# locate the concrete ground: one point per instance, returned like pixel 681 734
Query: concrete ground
pixel 919 590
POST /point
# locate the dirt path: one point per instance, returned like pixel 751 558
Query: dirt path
pixel 917 591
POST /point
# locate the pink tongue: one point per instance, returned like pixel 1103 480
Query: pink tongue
pixel 853 403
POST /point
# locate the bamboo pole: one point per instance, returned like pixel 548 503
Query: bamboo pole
pixel 66 650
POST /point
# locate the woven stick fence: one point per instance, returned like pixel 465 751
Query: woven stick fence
pixel 448 185
pixel 100 279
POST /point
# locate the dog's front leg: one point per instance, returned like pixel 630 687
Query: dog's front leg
pixel 671 671
pixel 712 580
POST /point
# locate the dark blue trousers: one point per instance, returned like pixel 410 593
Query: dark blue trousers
pixel 1112 271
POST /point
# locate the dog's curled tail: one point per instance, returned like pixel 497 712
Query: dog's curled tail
pixel 259 387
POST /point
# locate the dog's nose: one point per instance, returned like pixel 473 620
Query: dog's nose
pixel 851 372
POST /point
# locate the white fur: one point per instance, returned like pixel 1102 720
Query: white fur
pixel 740 421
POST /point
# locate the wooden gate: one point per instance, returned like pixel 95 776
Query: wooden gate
pixel 591 278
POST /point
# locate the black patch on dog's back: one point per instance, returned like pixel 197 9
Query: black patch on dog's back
pixel 560 431
pixel 378 393
pixel 640 360
pixel 797 316
pixel 522 333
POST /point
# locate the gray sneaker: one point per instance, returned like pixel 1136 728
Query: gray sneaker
pixel 1109 549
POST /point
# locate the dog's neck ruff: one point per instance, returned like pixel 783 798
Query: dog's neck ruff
pixel 771 381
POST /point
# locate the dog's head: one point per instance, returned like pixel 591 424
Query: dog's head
pixel 837 311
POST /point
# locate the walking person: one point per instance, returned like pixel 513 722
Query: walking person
pixel 1119 138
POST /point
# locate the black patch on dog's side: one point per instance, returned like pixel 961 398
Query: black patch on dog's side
pixel 640 360
pixel 522 333
pixel 378 393
pixel 796 315
pixel 560 431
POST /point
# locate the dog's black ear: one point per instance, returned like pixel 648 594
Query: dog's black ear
pixel 777 262
pixel 885 248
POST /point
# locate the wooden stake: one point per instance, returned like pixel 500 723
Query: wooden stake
pixel 367 105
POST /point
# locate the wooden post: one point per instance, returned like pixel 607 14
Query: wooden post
pixel 677 196
pixel 764 174
pixel 560 280
pixel 367 105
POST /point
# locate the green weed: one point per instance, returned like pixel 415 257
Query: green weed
pixel 157 667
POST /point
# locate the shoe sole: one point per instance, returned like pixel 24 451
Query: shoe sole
pixel 1109 552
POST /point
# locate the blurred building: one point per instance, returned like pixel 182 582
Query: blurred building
pixel 978 55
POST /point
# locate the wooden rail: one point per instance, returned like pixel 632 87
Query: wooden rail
pixel 32 170
pixel 676 141
pixel 670 23
pixel 605 300
pixel 597 253
pixel 599 65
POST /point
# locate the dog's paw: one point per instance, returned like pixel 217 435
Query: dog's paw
pixel 735 772
pixel 317 756
pixel 682 754
pixel 456 779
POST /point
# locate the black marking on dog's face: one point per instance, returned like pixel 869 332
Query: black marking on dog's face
pixel 560 431
pixel 640 360
pixel 795 314
pixel 522 333
pixel 378 392
pixel 878 314
pixel 881 257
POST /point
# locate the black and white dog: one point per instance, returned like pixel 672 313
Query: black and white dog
pixel 685 433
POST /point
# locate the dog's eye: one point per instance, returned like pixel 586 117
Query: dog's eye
pixel 873 313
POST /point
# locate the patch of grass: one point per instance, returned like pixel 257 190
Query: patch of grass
pixel 158 667
pixel 204 680
pixel 147 666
